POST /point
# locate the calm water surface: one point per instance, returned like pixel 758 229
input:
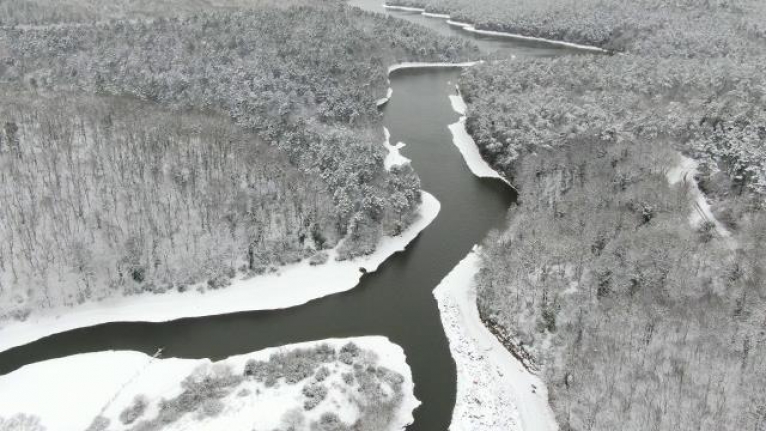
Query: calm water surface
pixel 395 301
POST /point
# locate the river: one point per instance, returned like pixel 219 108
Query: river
pixel 395 301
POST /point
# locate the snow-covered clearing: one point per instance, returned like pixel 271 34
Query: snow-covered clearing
pixel 394 157
pixel 685 171
pixel 68 393
pixel 467 146
pixel 494 390
pixel 292 285
pixel 471 28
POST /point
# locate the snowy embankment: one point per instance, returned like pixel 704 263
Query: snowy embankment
pixel 68 393
pixel 685 171
pixel 292 285
pixel 471 28
pixel 394 157
pixel 494 390
pixel 415 65
pixel 467 146
pixel 422 65
pixel 383 100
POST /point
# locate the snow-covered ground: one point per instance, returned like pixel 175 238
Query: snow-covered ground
pixel 465 143
pixel 383 100
pixel 494 390
pixel 418 65
pixel 685 172
pixel 394 157
pixel 68 393
pixel 472 29
pixel 414 65
pixel 292 285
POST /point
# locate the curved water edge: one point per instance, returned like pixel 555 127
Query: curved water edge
pixel 291 286
pixel 122 375
pixel 495 391
pixel 471 28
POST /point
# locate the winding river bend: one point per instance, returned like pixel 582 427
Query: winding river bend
pixel 396 300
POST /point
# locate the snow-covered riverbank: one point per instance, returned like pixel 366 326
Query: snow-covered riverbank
pixel 494 390
pixel 394 157
pixel 292 285
pixel 467 146
pixel 471 28
pixel 416 65
pixel 68 393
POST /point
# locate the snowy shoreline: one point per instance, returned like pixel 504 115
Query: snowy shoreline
pixel 467 146
pixel 471 28
pixel 494 389
pixel 291 286
pixel 106 382
pixel 394 157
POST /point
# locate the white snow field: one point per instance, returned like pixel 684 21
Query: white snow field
pixel 494 390
pixel 292 285
pixel 68 393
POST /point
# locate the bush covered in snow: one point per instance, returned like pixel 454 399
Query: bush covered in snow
pixel 311 382
pixel 135 410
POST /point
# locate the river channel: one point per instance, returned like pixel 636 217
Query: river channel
pixel 395 301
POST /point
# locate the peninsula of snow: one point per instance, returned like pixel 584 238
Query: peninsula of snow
pixel 68 393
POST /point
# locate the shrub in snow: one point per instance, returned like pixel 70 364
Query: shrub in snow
pixel 348 353
pixel 322 374
pixel 293 366
pixel 319 258
pixel 315 393
pixel 348 378
pixel 329 422
pixel 22 422
pixel 293 420
pixel 100 423
pixel 135 410
pixel 210 408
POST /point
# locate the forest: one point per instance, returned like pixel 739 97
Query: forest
pixel 263 147
pixel 691 28
pixel 637 315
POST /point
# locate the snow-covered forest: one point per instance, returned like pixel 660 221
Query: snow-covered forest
pixel 689 27
pixel 263 147
pixel 641 309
